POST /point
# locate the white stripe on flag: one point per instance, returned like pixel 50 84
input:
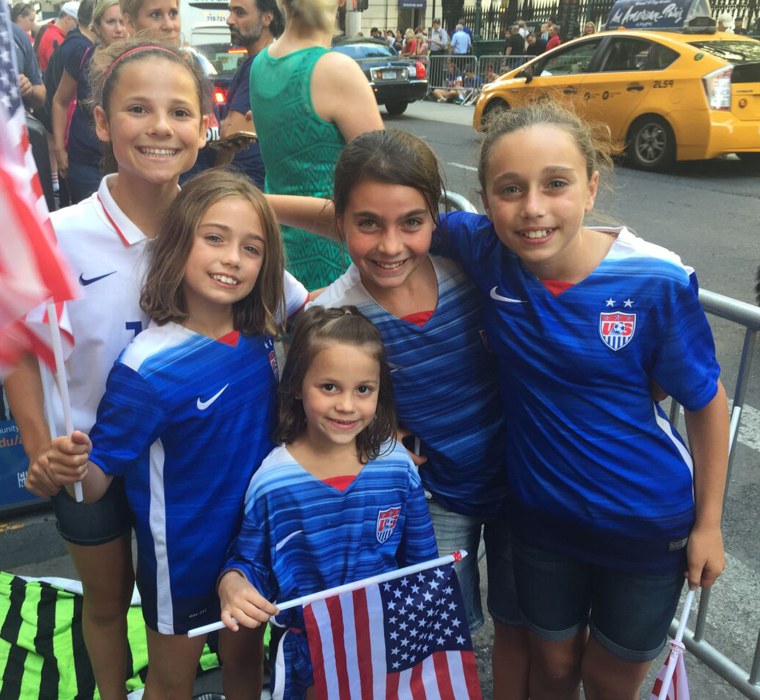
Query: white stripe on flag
pixel 349 644
pixel 322 618
pixel 377 641
pixel 430 680
pixel 456 673
pixel 404 684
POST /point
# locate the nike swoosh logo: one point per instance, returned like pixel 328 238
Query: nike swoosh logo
pixel 92 280
pixel 285 540
pixel 499 297
pixel 203 405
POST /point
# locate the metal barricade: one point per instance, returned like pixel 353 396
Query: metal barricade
pixel 747 315
pixel 494 65
pixel 454 77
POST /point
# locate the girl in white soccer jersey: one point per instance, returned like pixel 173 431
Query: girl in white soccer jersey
pixel 149 104
pixel 386 193
pixel 336 502
pixel 609 507
pixel 187 418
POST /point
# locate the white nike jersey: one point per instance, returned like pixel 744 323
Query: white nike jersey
pixel 108 254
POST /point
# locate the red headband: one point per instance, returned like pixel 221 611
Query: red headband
pixel 147 47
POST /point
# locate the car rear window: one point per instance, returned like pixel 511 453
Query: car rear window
pixel 366 50
pixel 735 52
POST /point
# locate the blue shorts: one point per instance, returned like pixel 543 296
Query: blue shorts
pixel 91 524
pixel 628 614
pixel 456 531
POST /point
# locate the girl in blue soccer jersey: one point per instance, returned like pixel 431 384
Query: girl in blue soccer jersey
pixel 387 188
pixel 148 104
pixel 187 416
pixel 337 501
pixel 609 507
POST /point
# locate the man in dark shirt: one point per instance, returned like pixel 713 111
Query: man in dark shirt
pixel 253 24
pixel 515 43
pixel 536 44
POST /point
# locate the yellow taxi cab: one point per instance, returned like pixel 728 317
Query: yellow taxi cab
pixel 666 95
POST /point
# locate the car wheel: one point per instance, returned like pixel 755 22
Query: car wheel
pixel 492 110
pixel 396 108
pixel 651 143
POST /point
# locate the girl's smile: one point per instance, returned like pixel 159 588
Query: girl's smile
pixel 154 121
pixel 224 262
pixel 388 230
pixel 537 196
pixel 339 395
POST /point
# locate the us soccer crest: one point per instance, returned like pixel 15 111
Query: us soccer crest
pixel 386 523
pixel 616 329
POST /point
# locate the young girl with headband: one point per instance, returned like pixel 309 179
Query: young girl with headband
pixel 148 107
pixel 336 502
pixel 187 417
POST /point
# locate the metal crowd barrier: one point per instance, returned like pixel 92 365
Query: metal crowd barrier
pixel 474 73
pixel 747 315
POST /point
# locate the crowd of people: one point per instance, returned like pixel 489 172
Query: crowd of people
pixel 522 351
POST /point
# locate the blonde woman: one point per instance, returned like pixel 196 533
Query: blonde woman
pixel 307 102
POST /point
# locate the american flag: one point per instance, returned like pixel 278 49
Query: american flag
pixel 678 688
pixel 31 270
pixel 403 638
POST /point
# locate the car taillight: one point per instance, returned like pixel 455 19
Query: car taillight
pixel 718 88
pixel 220 95
pixel 421 72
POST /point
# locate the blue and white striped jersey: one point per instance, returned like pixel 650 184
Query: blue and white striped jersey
pixel 596 469
pixel 301 535
pixel 446 389
pixel 186 420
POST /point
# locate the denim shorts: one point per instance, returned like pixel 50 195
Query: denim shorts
pixel 628 614
pixel 91 524
pixel 456 531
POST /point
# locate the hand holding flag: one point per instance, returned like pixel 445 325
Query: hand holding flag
pixel 671 683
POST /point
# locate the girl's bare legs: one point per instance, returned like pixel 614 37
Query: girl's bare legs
pixel 607 676
pixel 172 663
pixel 108 580
pixel 242 656
pixel 510 660
pixel 555 667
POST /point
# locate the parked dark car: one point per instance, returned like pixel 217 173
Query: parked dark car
pixel 396 81
pixel 222 61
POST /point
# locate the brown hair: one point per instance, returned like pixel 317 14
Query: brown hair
pixel 318 328
pixel 593 140
pixel 163 297
pixel 107 63
pixel 391 156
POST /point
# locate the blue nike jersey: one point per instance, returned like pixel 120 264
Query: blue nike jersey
pixel 301 535
pixel 186 420
pixel 596 469
pixel 446 389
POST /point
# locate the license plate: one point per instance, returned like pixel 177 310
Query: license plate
pixel 388 75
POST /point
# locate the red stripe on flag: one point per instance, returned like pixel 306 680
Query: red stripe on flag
pixel 442 674
pixel 363 643
pixel 470 667
pixel 315 651
pixel 416 686
pixel 391 686
pixel 335 611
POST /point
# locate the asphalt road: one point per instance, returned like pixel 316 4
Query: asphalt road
pixel 708 212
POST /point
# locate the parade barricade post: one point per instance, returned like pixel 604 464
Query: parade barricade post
pixel 475 72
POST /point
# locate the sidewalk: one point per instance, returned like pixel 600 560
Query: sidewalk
pixel 435 111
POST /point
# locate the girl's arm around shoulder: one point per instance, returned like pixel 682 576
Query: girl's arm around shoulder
pixel 341 94
pixel 69 461
pixel 708 431
pixel 461 235
pixel 307 213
